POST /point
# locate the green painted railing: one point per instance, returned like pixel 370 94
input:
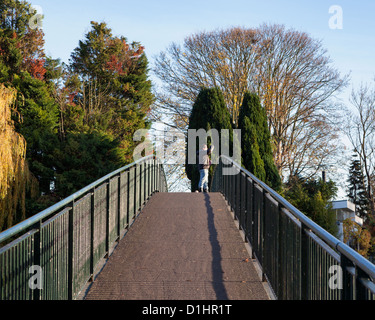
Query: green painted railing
pixel 55 253
pixel 299 259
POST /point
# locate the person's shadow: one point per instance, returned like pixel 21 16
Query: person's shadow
pixel 217 270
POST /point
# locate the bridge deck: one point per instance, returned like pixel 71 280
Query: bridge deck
pixel 182 246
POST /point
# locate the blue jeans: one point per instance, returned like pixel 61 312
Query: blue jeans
pixel 203 181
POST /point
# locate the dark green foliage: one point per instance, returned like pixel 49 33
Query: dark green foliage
pixel 209 112
pixel 313 198
pixel 109 95
pixel 82 159
pixel 114 74
pixel 38 124
pixel 255 142
pixel 356 188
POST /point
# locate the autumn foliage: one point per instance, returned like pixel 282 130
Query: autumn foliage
pixel 16 180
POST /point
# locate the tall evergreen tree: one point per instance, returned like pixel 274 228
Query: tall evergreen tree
pixel 356 187
pixel 109 82
pixel 107 98
pixel 256 144
pixel 209 112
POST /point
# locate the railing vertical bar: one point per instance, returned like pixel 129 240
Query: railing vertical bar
pixel 346 278
pixel 70 251
pixel 119 206
pixel 283 287
pixel 107 230
pixel 305 258
pixel 127 207
pixel 37 254
pixel 92 229
pixel 361 291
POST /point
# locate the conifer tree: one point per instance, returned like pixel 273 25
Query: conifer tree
pixel 356 187
pixel 256 144
pixel 313 198
pixel 209 112
pixel 109 82
pixel 107 98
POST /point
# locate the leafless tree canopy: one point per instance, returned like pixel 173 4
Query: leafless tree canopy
pixel 360 129
pixel 289 70
pixel 223 59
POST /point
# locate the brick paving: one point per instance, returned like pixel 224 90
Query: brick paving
pixel 183 246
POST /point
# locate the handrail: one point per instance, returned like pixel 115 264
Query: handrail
pixel 231 187
pixel 68 240
pixel 6 234
pixel 362 262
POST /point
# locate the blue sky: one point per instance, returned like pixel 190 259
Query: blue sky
pixel 157 23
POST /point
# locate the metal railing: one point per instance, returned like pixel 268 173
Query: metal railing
pixel 299 259
pixel 67 241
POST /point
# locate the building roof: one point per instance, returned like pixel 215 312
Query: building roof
pixel 344 205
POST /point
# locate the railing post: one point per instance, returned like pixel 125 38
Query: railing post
pixel 37 254
pixel 305 254
pixel 252 236
pixel 360 290
pixel 243 203
pixel 92 213
pixel 119 196
pixel 70 251
pixel 128 199
pixel 135 191
pixel 238 197
pixel 347 278
pixel 150 178
pixel 157 178
pixel 262 219
pixel 281 289
pixel 232 192
pixel 108 189
pixel 153 175
pixel 141 186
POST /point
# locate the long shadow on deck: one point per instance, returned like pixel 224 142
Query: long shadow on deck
pixel 217 270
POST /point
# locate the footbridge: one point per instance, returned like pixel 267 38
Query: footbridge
pixel 126 237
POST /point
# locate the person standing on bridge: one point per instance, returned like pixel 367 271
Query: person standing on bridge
pixel 204 163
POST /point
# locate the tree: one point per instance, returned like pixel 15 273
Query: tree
pixel 39 115
pixel 16 181
pixel 21 47
pixel 295 83
pixel 360 129
pixel 83 158
pixel 313 198
pixel 290 72
pixel 22 67
pixel 257 154
pixel 358 237
pixel 103 97
pixel 209 112
pixel 109 83
pixel 356 188
pixel 223 59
